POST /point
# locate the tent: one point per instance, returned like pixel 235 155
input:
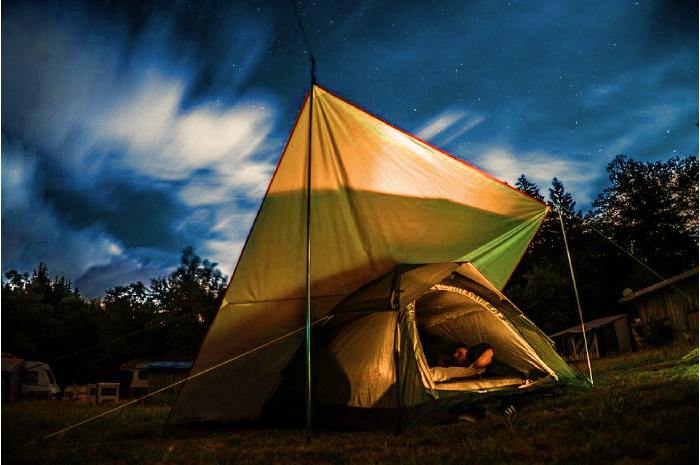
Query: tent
pixel 397 228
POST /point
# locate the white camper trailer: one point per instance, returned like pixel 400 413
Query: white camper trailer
pixel 38 381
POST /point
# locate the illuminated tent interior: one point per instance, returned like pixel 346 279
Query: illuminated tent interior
pixel 409 246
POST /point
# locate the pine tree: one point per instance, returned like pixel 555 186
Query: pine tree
pixel 560 198
pixel 529 187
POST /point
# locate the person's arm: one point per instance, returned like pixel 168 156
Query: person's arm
pixel 484 359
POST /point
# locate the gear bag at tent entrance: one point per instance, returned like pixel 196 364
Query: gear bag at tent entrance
pixel 409 245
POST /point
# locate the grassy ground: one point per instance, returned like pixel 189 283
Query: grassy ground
pixel 643 409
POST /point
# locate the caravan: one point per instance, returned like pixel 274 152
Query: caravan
pixel 27 379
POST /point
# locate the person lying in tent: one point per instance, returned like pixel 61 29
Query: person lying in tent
pixel 478 356
pixel 464 362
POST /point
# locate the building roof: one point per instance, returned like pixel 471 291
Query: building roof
pixel 591 325
pixel 163 363
pixel 174 365
pixel 10 362
pixel 660 285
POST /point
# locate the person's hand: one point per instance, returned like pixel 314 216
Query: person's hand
pixel 484 359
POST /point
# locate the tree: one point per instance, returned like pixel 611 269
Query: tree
pixel 188 299
pixel 46 318
pixel 530 188
pixel 650 209
pixel 560 198
pixel 541 284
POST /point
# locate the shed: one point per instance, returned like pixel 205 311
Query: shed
pixel 605 336
pixel 149 375
pixel 672 302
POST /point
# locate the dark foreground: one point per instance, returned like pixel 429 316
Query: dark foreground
pixel 642 410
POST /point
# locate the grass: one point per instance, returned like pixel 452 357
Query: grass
pixel 643 409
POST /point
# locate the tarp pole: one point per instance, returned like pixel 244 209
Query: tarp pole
pixel 396 304
pixel 578 301
pixel 308 257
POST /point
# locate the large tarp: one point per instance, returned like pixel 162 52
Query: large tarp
pixel 380 197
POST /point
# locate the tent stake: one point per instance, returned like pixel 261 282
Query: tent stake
pixel 578 301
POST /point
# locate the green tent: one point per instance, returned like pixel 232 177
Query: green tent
pixel 407 244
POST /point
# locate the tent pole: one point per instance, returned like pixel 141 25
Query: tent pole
pixel 308 228
pixel 308 257
pixel 396 304
pixel 578 301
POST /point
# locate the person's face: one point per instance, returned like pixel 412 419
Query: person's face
pixel 460 355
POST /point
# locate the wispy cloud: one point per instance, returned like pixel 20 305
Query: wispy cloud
pixel 126 112
pixel 465 125
pixel 448 125
pixel 160 140
pixel 541 167
pixel 32 230
pixel 223 155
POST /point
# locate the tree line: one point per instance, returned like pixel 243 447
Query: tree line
pixel 648 208
pixel 44 318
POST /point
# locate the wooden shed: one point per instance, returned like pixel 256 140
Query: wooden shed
pixel 605 336
pixel 672 302
pixel 150 375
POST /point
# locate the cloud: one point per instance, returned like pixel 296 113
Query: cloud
pixel 162 141
pixel 119 271
pixel 440 123
pixel 231 229
pixel 127 153
pixel 18 173
pixel 654 123
pixel 541 167
pixel 32 231
pixel 448 125
pixel 465 126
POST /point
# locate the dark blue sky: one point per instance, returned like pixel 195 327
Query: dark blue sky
pixel 133 129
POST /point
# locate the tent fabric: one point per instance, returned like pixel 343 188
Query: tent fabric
pixel 380 198
pixel 533 337
pixel 411 330
pixel 480 384
pixel 354 364
pixel 372 366
pixel 440 374
pixel 409 282
pixel 472 320
pixel 415 398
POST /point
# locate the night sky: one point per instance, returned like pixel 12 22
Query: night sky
pixel 133 129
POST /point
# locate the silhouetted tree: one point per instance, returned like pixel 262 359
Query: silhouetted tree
pixel 46 318
pixel 541 284
pixel 189 297
pixel 651 209
pixel 529 187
